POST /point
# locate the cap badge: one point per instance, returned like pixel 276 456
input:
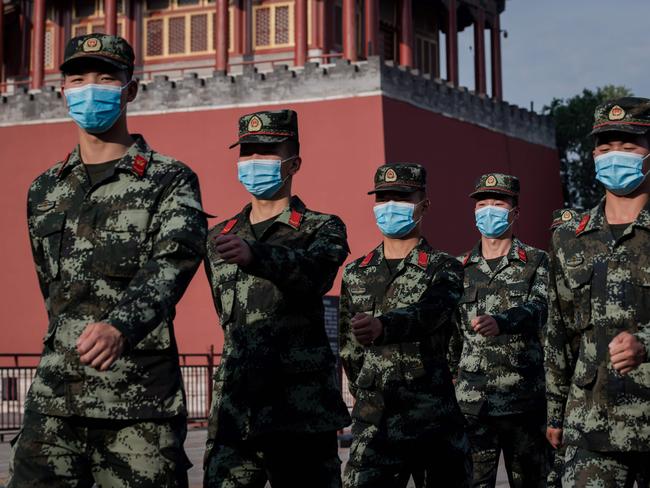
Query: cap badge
pixel 491 181
pixel 566 216
pixel 390 176
pixel 91 45
pixel 254 124
pixel 616 113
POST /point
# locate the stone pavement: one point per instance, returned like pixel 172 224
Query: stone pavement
pixel 194 447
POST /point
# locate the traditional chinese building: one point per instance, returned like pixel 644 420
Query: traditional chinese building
pixel 372 81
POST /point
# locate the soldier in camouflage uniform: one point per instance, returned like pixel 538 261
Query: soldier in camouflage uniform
pixel 396 308
pixel 115 245
pixel 597 366
pixel 556 457
pixel 276 405
pixel 500 384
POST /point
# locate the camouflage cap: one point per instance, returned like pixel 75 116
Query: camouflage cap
pixel 628 114
pixel 268 127
pixel 111 49
pixel 496 183
pixel 406 177
pixel 562 216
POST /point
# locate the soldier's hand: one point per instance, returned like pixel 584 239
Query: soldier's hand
pixel 99 346
pixel 554 437
pixel 366 328
pixel 626 352
pixel 486 326
pixel 234 250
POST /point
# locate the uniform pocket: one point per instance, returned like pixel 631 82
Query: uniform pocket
pixel 579 280
pixel 369 402
pixel 123 243
pixel 224 282
pixel 49 229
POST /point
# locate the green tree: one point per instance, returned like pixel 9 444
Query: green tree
pixel 573 121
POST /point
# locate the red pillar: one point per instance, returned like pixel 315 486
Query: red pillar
pixel 138 32
pixel 349 30
pixel 372 28
pixel 479 52
pixel 38 46
pixel 300 32
pixel 452 43
pixel 2 31
pixel 110 17
pixel 221 27
pixel 497 86
pixel 246 26
pixel 406 33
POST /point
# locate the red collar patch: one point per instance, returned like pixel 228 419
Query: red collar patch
pixel 523 257
pixel 466 260
pixel 423 259
pixel 65 162
pixel 231 223
pixel 583 224
pixel 139 165
pixel 367 259
pixel 295 219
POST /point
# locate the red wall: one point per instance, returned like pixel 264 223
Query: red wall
pixel 342 141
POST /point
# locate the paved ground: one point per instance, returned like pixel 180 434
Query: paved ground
pixel 194 447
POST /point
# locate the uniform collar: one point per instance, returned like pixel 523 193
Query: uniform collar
pixel 517 252
pixel 419 256
pixel 292 216
pixel 596 219
pixel 135 161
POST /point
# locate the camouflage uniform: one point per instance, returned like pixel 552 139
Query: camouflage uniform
pixel 599 287
pixel 405 417
pixel 556 460
pixel 276 404
pixel 120 252
pixel 500 384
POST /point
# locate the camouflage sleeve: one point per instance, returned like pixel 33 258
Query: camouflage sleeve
pixel 434 309
pixel 530 317
pixel 455 345
pixel 643 335
pixel 38 254
pixel 300 271
pixel 350 350
pixel 561 347
pixel 179 246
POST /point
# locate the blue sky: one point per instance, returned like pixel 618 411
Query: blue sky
pixel 555 48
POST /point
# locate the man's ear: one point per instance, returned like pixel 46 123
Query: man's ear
pixel 295 165
pixel 132 90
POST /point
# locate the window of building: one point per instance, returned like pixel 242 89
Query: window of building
pixel 426 53
pixel 273 25
pixel 9 389
pixel 175 33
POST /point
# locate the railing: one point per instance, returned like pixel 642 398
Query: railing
pixel 17 372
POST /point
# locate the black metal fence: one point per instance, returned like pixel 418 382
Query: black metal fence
pixel 17 372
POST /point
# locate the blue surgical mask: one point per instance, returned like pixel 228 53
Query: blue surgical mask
pixel 619 171
pixel 95 108
pixel 261 177
pixel 395 219
pixel 492 221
